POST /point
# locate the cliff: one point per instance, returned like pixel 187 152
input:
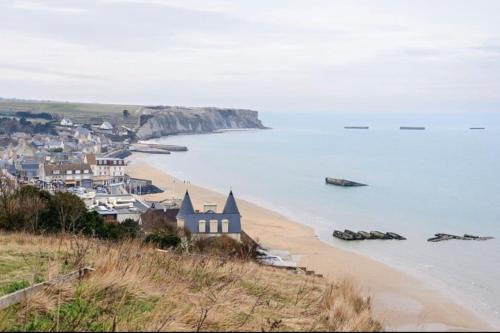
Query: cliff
pixel 160 121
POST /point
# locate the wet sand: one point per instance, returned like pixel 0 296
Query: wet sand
pixel 400 301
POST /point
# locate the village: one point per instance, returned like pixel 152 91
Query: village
pixel 90 161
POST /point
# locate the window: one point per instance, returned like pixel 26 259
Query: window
pixel 213 226
pixel 225 226
pixel 202 226
pixel 56 172
pixel 85 171
pixel 69 172
pixel 77 172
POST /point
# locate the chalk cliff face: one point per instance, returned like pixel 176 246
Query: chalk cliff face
pixel 159 121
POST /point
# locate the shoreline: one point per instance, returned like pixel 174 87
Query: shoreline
pixel 400 301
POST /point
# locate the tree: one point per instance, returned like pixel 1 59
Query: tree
pixel 131 229
pixel 36 200
pixel 67 208
pixel 10 217
pixel 126 113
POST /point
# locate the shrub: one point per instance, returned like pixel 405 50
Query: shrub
pixel 16 285
pixel 131 229
pixel 225 246
pixel 163 240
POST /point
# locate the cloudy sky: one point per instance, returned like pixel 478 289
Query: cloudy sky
pixel 366 55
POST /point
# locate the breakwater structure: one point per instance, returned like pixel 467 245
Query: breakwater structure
pixel 171 148
pixel 443 237
pixel 415 128
pixel 342 182
pixel 349 235
pixel 477 128
pixel 156 148
pixel 356 127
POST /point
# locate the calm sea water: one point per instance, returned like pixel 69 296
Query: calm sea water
pixel 443 179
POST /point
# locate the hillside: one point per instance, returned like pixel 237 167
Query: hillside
pixel 148 121
pixel 78 112
pixel 138 288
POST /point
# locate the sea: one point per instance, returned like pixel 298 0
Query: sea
pixel 444 179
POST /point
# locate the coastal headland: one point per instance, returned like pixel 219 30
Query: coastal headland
pixel 400 301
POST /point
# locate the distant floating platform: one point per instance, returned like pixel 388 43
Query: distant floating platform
pixel 477 128
pixel 342 182
pixel 356 127
pixel 417 128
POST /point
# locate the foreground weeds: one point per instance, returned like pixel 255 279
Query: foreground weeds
pixel 138 288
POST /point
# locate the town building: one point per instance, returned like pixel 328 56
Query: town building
pixel 69 174
pixel 118 207
pixel 106 126
pixel 209 223
pixel 28 170
pixel 106 170
pixel 55 146
pixel 66 122
pixel 82 134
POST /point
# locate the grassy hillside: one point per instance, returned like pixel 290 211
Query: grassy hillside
pixel 79 112
pixel 138 288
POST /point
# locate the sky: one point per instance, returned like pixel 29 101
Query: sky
pixel 314 55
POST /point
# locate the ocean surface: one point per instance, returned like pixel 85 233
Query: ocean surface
pixel 444 179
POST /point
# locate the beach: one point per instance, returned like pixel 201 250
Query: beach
pixel 400 301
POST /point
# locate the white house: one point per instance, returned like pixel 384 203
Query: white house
pixel 66 122
pixel 106 170
pixel 106 126
pixel 55 145
pixel 82 134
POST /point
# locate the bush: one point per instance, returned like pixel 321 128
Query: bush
pixel 225 246
pixel 163 240
pixel 16 285
pixel 131 229
pixel 61 212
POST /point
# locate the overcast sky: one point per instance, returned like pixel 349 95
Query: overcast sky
pixel 372 55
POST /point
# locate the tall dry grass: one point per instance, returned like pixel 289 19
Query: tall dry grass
pixel 136 288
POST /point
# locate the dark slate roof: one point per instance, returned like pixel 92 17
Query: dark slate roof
pixel 230 207
pixel 29 166
pixel 186 206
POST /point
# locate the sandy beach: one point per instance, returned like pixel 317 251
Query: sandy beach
pixel 401 301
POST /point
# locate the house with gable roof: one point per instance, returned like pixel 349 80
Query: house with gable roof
pixel 209 223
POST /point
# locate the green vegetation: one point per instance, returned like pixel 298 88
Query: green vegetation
pixel 78 112
pixel 54 213
pixel 136 288
pixel 9 125
pixel 163 240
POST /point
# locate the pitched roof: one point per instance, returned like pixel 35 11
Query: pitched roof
pixel 230 207
pixel 63 167
pixel 91 159
pixel 186 206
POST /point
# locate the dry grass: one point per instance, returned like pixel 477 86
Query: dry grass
pixel 137 288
